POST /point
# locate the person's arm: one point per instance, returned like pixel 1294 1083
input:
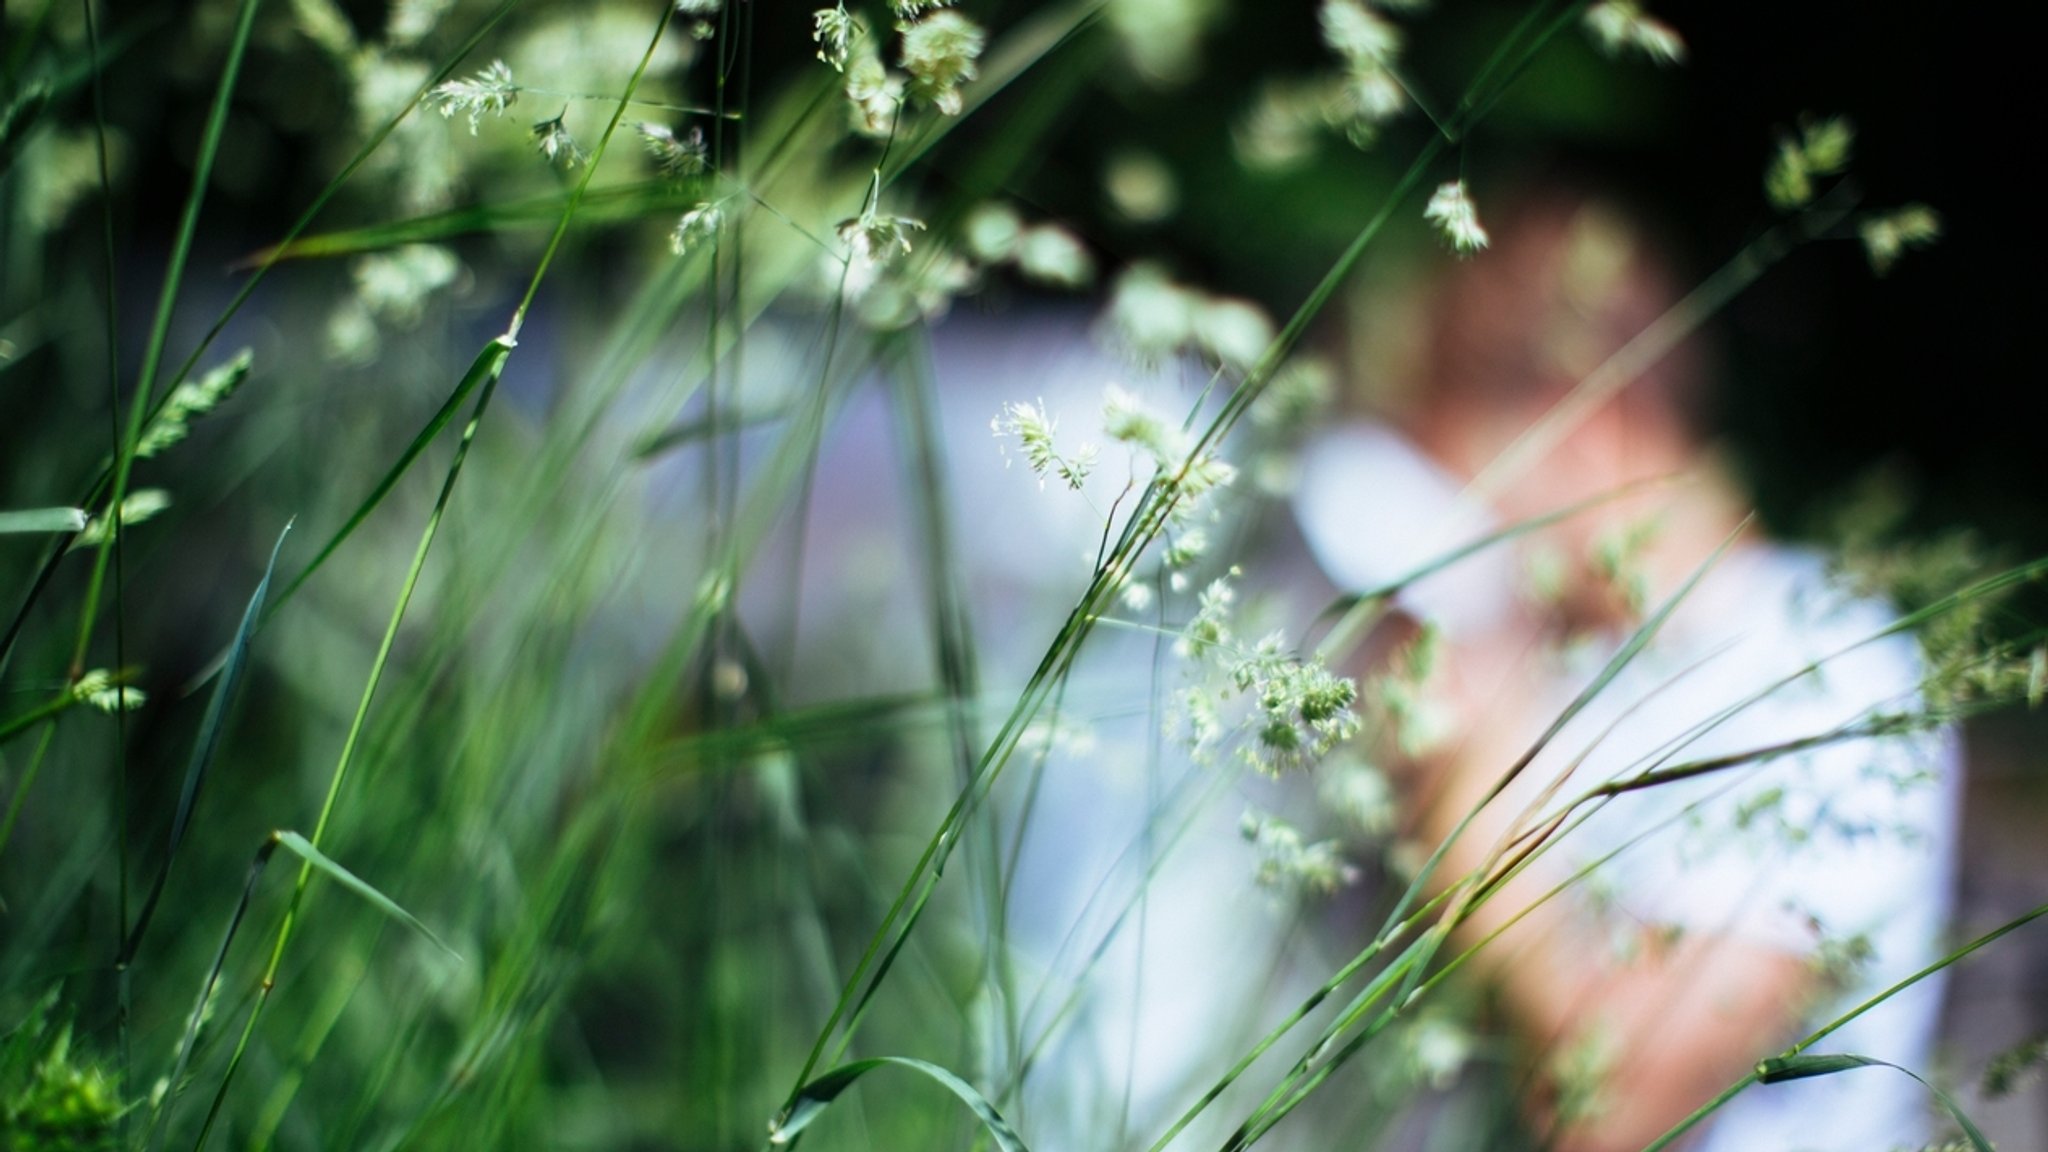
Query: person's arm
pixel 1676 1023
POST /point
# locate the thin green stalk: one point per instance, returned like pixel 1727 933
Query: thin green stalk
pixel 160 327
pixel 111 335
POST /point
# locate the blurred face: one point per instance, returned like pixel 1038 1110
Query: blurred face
pixel 1515 331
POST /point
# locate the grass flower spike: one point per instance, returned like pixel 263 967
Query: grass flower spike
pixel 1820 149
pixel 554 141
pixel 1032 428
pixel 191 400
pixel 835 30
pixel 675 156
pixel 1452 211
pixel 1619 26
pixel 488 93
pixel 698 225
pixel 1888 235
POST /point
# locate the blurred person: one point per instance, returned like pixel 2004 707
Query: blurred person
pixel 1762 900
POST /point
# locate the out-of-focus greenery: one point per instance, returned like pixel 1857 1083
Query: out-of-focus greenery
pixel 512 808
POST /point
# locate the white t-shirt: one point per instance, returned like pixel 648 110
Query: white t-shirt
pixel 1851 838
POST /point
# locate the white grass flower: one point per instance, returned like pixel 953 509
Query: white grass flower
pixel 1361 794
pixel 899 293
pixel 1137 596
pixel 699 7
pixel 873 92
pixel 1278 132
pixel 698 226
pixel 992 232
pixel 1285 861
pixel 877 238
pixel 395 285
pixel 411 20
pixel 1149 314
pixel 554 141
pixel 1186 547
pixel 675 156
pixel 1300 392
pixel 1454 215
pixel 910 9
pixel 1141 186
pixel 940 52
pixel 1304 710
pixel 1233 332
pixel 1050 254
pixel 1032 428
pixel 1371 97
pixel 1618 26
pixel 835 30
pixel 1440 1050
pixel 1358 34
pixel 488 93
pixel 1210 629
pixel 1888 235
pixel 351 336
pixel 1126 420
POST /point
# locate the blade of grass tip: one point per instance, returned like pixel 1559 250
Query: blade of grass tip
pixel 487 366
pixel 27 520
pixel 378 900
pixel 1686 1125
pixel 812 1100
pixel 211 725
pixel 1780 1069
pixel 160 326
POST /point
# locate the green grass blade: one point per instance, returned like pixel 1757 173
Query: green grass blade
pixel 813 1098
pixel 204 749
pixel 27 520
pixel 1779 1069
pixel 489 363
pixel 629 202
pixel 190 1039
pixel 304 849
pixel 1686 1125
